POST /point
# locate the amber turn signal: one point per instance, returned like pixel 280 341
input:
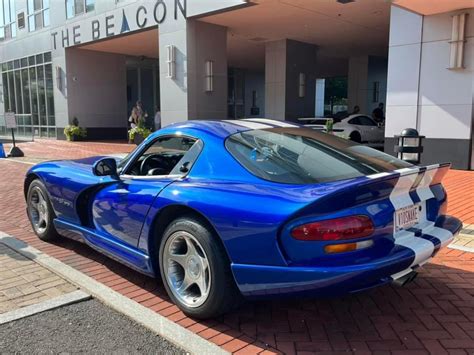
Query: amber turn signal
pixel 343 248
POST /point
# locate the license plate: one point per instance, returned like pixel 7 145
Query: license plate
pixel 407 217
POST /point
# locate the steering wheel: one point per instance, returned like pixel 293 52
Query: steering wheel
pixel 144 165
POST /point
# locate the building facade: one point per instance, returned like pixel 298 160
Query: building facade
pixel 90 60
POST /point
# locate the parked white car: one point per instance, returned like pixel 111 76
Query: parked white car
pixel 358 128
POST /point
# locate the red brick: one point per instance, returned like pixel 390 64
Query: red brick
pixel 429 315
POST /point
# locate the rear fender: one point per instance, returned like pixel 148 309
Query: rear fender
pixel 377 196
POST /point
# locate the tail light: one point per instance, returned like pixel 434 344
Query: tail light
pixel 335 229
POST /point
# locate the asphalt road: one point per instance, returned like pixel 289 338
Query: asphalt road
pixel 87 327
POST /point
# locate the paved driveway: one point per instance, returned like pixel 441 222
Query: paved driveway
pixel 434 314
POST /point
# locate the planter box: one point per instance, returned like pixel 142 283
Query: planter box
pixel 138 138
pixel 76 139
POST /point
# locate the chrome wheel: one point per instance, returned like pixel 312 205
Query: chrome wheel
pixel 186 269
pixel 38 210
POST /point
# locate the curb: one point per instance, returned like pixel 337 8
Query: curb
pixel 157 323
pixel 56 302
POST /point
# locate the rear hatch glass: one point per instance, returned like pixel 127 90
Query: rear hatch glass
pixel 305 156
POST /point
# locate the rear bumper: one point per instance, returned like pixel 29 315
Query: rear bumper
pixel 410 251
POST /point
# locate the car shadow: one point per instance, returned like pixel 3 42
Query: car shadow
pixel 385 318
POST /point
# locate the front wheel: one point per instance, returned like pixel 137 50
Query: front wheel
pixel 195 269
pixel 355 137
pixel 40 212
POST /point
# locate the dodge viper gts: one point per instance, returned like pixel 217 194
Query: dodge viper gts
pixel 253 208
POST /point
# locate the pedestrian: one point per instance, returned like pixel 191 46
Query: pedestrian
pixel 356 110
pixel 378 114
pixel 133 119
pixel 138 115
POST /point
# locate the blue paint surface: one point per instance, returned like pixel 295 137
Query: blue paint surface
pixel 252 217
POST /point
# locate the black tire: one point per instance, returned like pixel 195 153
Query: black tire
pixel 355 137
pixel 47 232
pixel 223 294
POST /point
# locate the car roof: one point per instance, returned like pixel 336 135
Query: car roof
pixel 224 128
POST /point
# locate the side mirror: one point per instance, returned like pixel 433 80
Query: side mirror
pixel 105 167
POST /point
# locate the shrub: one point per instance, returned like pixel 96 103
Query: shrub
pixel 74 131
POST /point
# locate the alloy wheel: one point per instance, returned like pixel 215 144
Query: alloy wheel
pixel 186 268
pixel 39 211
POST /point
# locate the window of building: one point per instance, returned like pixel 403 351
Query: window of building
pixel 7 20
pixel 28 91
pixel 78 7
pixel 38 14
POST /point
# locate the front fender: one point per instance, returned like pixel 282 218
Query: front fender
pixel 65 182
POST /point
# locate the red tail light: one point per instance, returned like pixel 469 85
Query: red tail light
pixel 335 229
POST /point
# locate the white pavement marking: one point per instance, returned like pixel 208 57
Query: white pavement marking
pixel 461 247
pixel 157 323
pixel 17 161
pixel 56 302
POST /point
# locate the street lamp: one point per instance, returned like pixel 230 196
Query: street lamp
pixel 409 146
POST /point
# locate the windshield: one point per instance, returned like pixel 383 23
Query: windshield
pixel 305 156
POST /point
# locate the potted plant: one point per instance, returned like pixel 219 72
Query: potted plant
pixel 137 134
pixel 74 132
pixel 329 126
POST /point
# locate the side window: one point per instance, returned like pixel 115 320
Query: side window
pixel 367 121
pixel 355 120
pixel 163 156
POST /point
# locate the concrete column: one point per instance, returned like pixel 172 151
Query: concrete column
pixel 275 79
pixel 185 97
pixel 285 61
pixel 403 79
pixel 357 84
pixel 319 107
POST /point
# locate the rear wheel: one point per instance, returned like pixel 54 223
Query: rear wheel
pixel 195 269
pixel 40 212
pixel 355 136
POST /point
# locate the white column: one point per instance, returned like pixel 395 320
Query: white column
pixel 403 71
pixel 357 85
pixel 319 107
pixel 275 79
pixel 185 96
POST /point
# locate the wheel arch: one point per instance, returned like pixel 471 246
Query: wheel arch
pixel 163 219
pixel 28 180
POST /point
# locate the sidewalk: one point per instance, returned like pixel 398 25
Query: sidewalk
pixel 24 283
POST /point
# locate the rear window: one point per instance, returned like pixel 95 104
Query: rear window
pixel 305 156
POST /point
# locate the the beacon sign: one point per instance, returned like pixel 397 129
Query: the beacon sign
pixel 129 18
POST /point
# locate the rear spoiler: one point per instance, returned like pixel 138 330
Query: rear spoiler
pixel 403 187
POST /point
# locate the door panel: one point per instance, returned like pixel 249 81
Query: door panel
pixel 119 210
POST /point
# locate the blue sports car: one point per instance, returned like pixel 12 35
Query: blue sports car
pixel 253 208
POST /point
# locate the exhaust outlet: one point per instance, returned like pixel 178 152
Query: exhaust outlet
pixel 406 279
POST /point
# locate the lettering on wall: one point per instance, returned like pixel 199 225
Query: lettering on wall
pixel 147 15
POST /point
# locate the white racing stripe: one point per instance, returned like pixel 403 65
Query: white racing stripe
pixel 249 124
pixel 444 235
pixel 422 248
pixel 271 122
pixel 423 190
pixel 400 196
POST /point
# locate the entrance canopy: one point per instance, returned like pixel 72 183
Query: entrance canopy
pixel 338 29
pixel 136 44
